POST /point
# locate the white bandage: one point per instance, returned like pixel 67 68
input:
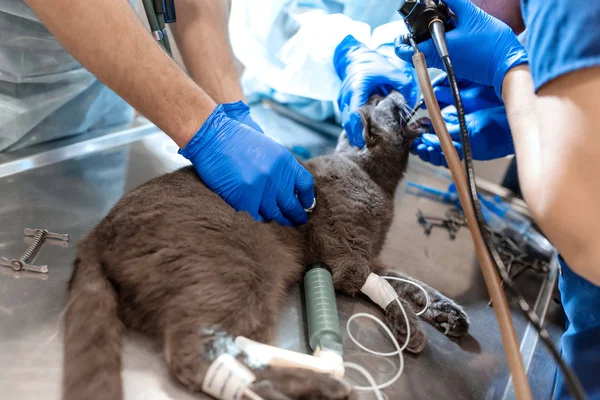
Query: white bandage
pixel 227 379
pixel 379 290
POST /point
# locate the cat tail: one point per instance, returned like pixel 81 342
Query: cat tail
pixel 92 355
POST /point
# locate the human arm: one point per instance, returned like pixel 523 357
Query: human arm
pixel 202 36
pixel 110 41
pixel 557 145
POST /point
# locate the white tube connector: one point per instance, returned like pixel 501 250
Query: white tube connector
pixel 326 362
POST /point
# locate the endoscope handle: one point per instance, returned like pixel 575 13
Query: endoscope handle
pixel 418 14
pixel 321 309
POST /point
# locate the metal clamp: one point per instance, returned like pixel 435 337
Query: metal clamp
pixel 22 263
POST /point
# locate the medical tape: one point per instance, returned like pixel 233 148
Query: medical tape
pixel 379 290
pixel 227 378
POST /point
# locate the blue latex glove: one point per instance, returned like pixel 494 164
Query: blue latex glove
pixel 365 72
pixel 486 120
pixel 489 136
pixel 241 113
pixel 250 171
pixel 474 96
pixel 482 48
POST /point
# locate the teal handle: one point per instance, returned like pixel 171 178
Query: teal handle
pixel 321 309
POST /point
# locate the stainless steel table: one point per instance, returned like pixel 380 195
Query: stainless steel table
pixel 71 195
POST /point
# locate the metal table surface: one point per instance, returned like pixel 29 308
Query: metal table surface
pixel 72 195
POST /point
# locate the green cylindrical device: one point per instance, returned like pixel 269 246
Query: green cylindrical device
pixel 321 309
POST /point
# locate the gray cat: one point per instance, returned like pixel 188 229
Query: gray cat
pixel 175 262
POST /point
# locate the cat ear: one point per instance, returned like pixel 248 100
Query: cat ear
pixel 417 128
pixel 365 115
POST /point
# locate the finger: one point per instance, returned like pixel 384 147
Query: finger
pixel 250 204
pixel 414 146
pixel 440 79
pixel 450 116
pixel 422 152
pixel 435 156
pixel 269 209
pixel 444 161
pixel 405 52
pixel 291 208
pixel 354 129
pixel 433 148
pixel 305 187
pixel 252 124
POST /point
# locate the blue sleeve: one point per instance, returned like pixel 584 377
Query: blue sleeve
pixel 562 36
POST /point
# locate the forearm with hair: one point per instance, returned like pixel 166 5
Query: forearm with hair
pixel 202 36
pixel 557 144
pixel 108 38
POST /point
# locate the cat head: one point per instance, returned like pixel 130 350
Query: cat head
pixel 384 125
pixel 388 136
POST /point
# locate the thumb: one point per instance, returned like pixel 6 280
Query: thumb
pixel 403 51
pixel 305 187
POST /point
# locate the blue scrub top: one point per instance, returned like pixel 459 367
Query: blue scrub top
pixel 562 36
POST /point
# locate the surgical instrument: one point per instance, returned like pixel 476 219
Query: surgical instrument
pixel 22 263
pixel 500 217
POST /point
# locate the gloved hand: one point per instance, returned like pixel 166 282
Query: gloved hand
pixel 365 72
pixel 482 48
pixel 489 136
pixel 250 171
pixel 241 113
pixel 474 96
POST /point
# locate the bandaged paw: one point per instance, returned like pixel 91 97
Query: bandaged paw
pixel 379 290
pixel 227 378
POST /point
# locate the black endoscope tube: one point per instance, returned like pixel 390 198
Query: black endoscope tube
pixel 436 28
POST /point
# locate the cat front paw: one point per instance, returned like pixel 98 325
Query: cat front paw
pixel 395 320
pixel 448 317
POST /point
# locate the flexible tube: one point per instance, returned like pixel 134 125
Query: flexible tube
pixel 490 274
pixel 573 383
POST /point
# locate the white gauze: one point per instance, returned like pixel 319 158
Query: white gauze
pixel 227 379
pixel 379 290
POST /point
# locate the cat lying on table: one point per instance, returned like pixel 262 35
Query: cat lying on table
pixel 174 261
